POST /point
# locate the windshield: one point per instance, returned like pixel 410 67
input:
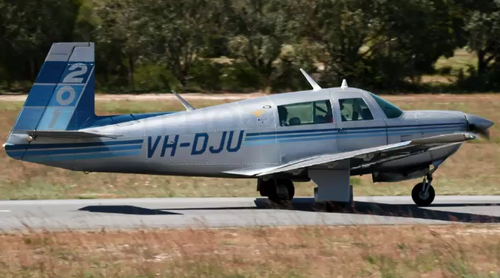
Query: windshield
pixel 390 110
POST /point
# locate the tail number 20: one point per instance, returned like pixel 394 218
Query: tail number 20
pixel 76 70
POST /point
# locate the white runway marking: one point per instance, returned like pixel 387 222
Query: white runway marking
pixel 4 210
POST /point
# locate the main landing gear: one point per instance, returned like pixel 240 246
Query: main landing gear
pixel 279 191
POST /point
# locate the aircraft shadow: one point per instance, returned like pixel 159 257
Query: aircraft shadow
pixel 308 204
pixel 397 210
pixel 371 208
pixel 127 210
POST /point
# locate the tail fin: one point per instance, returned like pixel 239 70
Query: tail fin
pixel 62 97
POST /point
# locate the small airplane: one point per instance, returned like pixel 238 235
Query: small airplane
pixel 323 135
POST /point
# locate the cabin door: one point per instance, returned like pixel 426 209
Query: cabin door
pixel 359 126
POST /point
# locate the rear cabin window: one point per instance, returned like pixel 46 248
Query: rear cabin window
pixel 354 109
pixel 306 113
pixel 390 110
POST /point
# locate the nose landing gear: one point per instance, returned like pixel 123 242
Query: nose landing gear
pixel 423 193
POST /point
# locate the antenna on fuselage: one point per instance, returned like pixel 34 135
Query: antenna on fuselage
pixel 186 104
pixel 311 81
pixel 344 84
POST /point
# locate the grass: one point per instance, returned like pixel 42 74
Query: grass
pixel 472 171
pixel 460 61
pixel 318 251
pixel 449 68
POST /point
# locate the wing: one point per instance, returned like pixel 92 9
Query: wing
pixel 368 155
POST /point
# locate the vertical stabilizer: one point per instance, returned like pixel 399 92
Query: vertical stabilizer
pixel 62 97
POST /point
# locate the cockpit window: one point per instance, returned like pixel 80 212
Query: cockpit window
pixel 305 113
pixel 390 110
pixel 354 109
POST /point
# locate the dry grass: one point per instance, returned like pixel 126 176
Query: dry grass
pixel 473 170
pixel 368 251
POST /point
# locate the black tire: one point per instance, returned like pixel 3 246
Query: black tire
pixel 265 187
pixel 282 192
pixel 420 200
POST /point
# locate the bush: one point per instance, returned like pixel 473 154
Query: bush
pixel 206 76
pixel 239 76
pixel 150 77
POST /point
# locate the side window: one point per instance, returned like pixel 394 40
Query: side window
pixel 306 113
pixel 354 109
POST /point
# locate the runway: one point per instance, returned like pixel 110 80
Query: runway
pixel 232 212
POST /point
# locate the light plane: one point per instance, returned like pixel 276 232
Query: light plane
pixel 323 135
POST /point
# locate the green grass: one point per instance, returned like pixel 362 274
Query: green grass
pixel 449 68
pixel 472 171
pixel 461 60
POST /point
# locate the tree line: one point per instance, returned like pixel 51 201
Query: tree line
pixel 248 45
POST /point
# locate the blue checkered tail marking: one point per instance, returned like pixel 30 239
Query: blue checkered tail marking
pixel 62 97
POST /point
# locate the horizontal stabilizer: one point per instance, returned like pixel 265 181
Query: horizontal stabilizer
pixel 68 134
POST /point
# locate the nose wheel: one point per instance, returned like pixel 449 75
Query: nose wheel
pixel 423 193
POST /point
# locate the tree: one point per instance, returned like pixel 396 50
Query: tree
pixel 119 30
pixel 27 30
pixel 377 43
pixel 176 32
pixel 483 27
pixel 259 30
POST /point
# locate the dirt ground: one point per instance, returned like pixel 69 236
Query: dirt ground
pixel 368 251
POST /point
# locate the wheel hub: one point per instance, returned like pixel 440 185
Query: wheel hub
pixel 282 191
pixel 424 195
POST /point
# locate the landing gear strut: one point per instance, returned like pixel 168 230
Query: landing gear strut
pixel 279 191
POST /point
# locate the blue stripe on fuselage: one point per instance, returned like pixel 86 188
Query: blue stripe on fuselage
pixel 77 150
pixel 342 135
pixel 71 145
pixel 345 133
pixel 79 157
pixel 382 128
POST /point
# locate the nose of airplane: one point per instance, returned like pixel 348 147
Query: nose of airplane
pixel 478 124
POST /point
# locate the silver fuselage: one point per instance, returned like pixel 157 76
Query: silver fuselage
pixel 246 134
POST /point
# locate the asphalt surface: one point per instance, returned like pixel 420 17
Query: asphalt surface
pixel 230 212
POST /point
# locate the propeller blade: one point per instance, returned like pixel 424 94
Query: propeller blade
pixel 481 131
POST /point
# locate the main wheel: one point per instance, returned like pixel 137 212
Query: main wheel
pixel 420 198
pixel 265 186
pixel 282 192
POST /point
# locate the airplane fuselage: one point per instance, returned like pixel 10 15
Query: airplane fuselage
pixel 249 133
